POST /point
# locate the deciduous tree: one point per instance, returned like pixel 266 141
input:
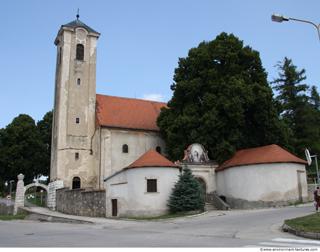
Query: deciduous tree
pixel 221 99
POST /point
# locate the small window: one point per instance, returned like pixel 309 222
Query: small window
pixel 158 149
pixel 76 155
pixel 78 81
pixel 125 148
pixel 76 183
pixel 77 120
pixel 151 185
pixel 80 52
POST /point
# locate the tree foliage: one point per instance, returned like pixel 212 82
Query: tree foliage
pixel 25 148
pixel 299 111
pixel 315 98
pixel 45 129
pixel 187 194
pixel 221 98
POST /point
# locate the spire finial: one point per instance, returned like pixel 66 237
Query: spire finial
pixel 78 14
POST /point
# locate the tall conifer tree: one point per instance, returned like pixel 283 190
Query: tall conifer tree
pixel 187 194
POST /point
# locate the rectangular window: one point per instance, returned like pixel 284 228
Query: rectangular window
pixel 76 155
pixel 77 120
pixel 151 185
pixel 78 81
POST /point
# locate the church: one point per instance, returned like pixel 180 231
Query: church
pixel 109 144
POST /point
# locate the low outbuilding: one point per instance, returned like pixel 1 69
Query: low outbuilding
pixel 262 177
pixel 143 188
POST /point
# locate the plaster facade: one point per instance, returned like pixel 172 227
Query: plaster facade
pixel 74 108
pixel 129 187
pixel 262 184
pixel 138 142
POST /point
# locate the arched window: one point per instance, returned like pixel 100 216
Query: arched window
pixel 80 52
pixel 158 149
pixel 76 183
pixel 125 148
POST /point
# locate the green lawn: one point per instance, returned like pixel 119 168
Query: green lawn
pixel 37 199
pixel 309 223
pixel 12 217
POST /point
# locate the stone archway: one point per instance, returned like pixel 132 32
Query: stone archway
pixel 50 189
pixel 21 189
pixel 37 184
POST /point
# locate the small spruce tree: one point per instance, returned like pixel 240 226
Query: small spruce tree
pixel 187 194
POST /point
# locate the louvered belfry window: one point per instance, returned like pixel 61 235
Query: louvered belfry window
pixel 80 52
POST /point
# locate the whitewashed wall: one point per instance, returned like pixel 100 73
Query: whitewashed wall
pixel 139 142
pixel 130 189
pixel 263 182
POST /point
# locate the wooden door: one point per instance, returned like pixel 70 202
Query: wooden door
pixel 114 203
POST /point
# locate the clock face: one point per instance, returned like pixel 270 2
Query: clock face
pixel 81 34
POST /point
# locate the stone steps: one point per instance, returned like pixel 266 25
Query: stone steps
pixel 209 207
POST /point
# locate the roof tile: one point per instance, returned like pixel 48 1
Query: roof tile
pixel 152 159
pixel 127 113
pixel 261 155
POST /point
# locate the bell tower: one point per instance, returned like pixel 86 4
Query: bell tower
pixel 72 157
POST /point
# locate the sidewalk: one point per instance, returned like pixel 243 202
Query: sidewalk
pixel 44 214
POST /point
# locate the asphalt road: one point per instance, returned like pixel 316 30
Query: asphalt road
pixel 236 228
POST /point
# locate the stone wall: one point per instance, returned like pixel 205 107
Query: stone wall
pixel 245 204
pixel 81 202
pixel 6 207
pixel 52 187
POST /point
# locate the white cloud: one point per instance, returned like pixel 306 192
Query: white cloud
pixel 153 97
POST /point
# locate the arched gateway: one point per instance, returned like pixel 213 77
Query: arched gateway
pixel 36 184
pixel 21 190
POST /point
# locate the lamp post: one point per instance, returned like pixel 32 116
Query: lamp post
pixel 41 193
pixel 11 181
pixel 279 18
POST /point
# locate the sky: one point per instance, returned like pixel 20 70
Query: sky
pixel 141 42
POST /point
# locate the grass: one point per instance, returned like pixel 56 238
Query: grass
pixel 12 217
pixel 37 199
pixel 162 217
pixel 309 223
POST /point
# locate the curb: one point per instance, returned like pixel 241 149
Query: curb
pixel 50 218
pixel 195 215
pixel 310 235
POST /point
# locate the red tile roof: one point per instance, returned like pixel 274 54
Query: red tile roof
pixel 152 159
pixel 261 155
pixel 127 113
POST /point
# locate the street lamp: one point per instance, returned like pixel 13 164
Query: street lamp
pixel 279 18
pixel 11 181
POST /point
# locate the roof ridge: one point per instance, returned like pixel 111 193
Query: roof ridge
pixel 151 158
pixel 130 98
